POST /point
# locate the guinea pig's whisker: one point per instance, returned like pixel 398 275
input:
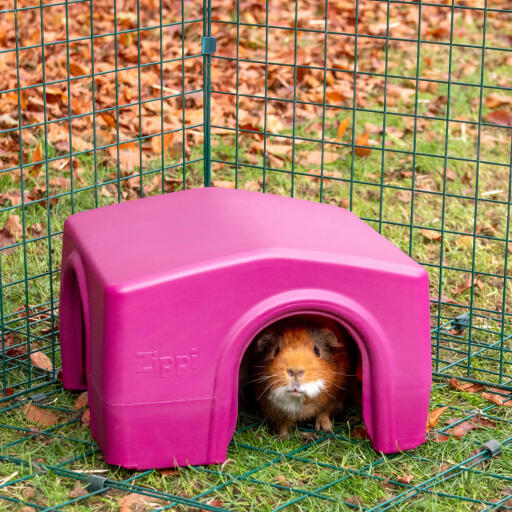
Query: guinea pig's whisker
pixel 265 390
pixel 262 379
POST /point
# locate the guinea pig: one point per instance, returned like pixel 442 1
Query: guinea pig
pixel 301 369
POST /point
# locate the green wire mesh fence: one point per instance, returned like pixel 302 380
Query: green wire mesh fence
pixel 398 110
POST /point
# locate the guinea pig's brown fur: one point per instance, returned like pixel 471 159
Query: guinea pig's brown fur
pixel 301 369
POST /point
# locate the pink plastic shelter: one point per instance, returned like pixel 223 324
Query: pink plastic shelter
pixel 161 297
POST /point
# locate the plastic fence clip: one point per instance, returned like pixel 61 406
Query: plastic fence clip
pixel 39 397
pixel 461 322
pixel 209 45
pixel 493 447
pixel 96 483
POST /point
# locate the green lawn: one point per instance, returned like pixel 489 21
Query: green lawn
pixel 438 189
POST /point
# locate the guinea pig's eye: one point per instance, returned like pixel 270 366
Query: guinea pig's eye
pixel 276 351
pixel 317 351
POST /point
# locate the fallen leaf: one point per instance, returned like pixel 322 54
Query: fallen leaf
pixel 360 433
pixel 354 500
pixel 362 140
pixel 342 127
pixel 496 100
pixel 468 387
pixel 41 361
pixel 404 196
pixel 43 417
pixel 156 143
pixel 315 157
pixel 438 437
pixel 461 429
pixel 433 417
pixel 498 399
pixel 13 225
pixel 78 491
pixel 223 184
pixel 404 479
pixel 499 117
pixel 168 471
pixel 135 502
pixel 82 400
pixel 466 285
pixel 215 502
pixel 36 229
pixel 37 156
pixel 335 97
pixel 282 480
pixel 6 238
pixel 76 69
pixel 252 185
pixel 86 418
pixel 109 120
pixel 430 234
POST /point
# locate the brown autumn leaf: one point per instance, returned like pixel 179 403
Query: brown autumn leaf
pixel 404 479
pixel 77 69
pixel 6 239
pixel 315 157
pixel 109 119
pixel 433 417
pixel 461 429
pixel 168 471
pixel 37 156
pixel 360 433
pixel 334 96
pixel 468 387
pixel 404 196
pixel 82 401
pixel 156 142
pixel 41 361
pixel 496 100
pixel 499 117
pixel 78 491
pixel 438 437
pixel 13 225
pixel 495 396
pixel 215 502
pixel 362 140
pixel 135 502
pixel 466 285
pixel 342 127
pixel 431 234
pixel 223 184
pixel 354 500
pixel 41 416
pixel 86 418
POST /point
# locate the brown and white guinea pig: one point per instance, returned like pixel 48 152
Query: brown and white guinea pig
pixel 300 371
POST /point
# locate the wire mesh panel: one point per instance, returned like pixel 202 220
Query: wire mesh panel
pixel 58 468
pixel 400 111
pixel 101 102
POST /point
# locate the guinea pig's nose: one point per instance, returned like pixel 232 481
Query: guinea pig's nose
pixel 295 372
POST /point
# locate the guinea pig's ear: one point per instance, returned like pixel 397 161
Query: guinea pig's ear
pixel 266 341
pixel 327 338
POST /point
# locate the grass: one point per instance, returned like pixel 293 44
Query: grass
pixel 318 472
pixel 420 175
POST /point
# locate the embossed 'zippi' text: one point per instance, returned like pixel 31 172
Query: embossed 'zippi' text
pixel 167 365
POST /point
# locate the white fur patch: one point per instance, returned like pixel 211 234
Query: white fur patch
pixel 292 403
pixel 313 388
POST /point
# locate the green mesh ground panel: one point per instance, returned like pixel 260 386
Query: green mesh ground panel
pixel 400 111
